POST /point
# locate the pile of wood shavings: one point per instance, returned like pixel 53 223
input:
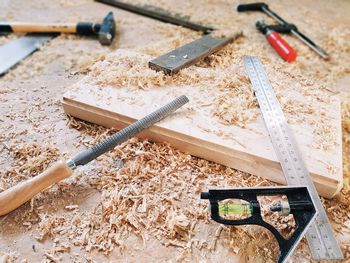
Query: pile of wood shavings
pixel 127 68
pixel 227 88
pixel 130 69
pixel 234 239
pixel 51 51
pixel 288 87
pixel 155 195
pixel 127 71
pixel 30 160
pixel 150 197
pixel 237 105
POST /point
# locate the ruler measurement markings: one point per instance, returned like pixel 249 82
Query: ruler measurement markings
pixel 320 234
pixel 275 120
pixel 320 221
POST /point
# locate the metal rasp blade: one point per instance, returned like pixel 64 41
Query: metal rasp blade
pixel 189 54
pixel 16 50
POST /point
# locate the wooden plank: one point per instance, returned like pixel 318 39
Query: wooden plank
pixel 189 54
pixel 193 129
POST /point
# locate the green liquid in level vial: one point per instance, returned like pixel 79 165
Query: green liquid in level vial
pixel 235 209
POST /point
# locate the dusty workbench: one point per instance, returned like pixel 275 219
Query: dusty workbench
pixel 70 222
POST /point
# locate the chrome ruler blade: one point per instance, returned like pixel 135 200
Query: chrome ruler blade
pixel 320 236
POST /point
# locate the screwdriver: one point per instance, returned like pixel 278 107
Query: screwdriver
pixel 17 195
pixel 277 42
pixel 260 6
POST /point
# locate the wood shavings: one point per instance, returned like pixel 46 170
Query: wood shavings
pixel 234 101
pixel 71 207
pixel 168 180
pixel 30 160
pixel 237 105
pixel 127 71
pixel 46 225
pixel 326 137
pixel 177 224
pixel 51 51
pixel 51 258
pixel 216 237
pixel 140 201
pixel 8 257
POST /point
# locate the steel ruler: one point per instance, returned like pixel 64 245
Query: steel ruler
pixel 320 236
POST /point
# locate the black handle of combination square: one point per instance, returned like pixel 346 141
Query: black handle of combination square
pixel 252 7
pixel 303 213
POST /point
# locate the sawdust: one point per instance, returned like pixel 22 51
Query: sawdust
pixel 223 79
pixel 53 50
pixel 30 159
pixel 237 105
pixel 155 194
pixel 223 17
pixel 8 257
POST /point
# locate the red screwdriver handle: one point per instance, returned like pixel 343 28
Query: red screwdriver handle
pixel 281 46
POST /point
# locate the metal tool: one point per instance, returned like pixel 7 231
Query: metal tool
pixel 16 50
pixel 284 27
pixel 105 31
pixel 159 14
pixel 17 195
pixel 225 208
pixel 188 54
pixel 184 56
pixel 320 236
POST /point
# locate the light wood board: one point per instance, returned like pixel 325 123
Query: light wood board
pixel 195 130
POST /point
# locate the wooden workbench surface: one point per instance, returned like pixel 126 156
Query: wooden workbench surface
pixel 133 214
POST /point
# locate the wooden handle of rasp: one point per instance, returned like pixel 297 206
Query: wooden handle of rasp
pixel 17 195
pixel 43 28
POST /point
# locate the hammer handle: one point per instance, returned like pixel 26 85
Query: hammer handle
pixel 81 28
pixel 17 195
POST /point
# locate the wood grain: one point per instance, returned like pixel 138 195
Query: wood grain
pixel 17 195
pixel 194 130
